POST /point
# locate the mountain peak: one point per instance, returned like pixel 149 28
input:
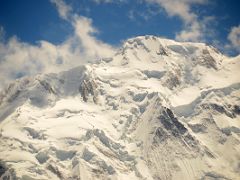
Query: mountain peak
pixel 155 110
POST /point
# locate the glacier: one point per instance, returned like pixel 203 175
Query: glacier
pixel 157 109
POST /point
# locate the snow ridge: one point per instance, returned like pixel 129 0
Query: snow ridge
pixel 157 109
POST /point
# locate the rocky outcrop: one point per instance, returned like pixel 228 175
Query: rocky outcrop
pixel 6 173
pixel 230 112
pixel 172 78
pixel 171 123
pixel 88 87
pixel 207 60
pixel 47 86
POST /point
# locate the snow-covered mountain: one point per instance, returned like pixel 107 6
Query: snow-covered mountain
pixel 158 109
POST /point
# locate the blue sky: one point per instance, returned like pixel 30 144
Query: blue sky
pixel 33 20
pixel 49 35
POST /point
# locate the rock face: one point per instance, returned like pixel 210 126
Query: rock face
pixel 171 123
pixel 88 87
pixel 5 173
pixel 157 109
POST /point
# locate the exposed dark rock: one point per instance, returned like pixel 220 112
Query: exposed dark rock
pixel 33 133
pixel 47 86
pixel 165 122
pixel 228 130
pixel 87 155
pixel 179 126
pixel 173 78
pixel 236 109
pixel 64 155
pixel 14 95
pixel 170 113
pixel 55 171
pixel 160 134
pixel 42 157
pixel 218 108
pixel 6 173
pixel 162 51
pixel 102 137
pixel 171 123
pixel 154 74
pixel 221 109
pixel 88 87
pixel 213 175
pixel 173 128
pixel 208 60
pixel 198 128
pixel 3 169
pixel 190 141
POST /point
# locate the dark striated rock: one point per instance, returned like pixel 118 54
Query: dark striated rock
pixel 171 123
pixel 170 113
pixel 88 87
pixel 160 134
pixel 221 109
pixel 190 141
pixel 218 108
pixel 47 86
pixel 170 128
pixel 55 170
pixel 179 126
pixel 168 125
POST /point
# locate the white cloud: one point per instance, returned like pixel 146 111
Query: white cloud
pixel 193 27
pixel 64 10
pixel 192 32
pixel 234 38
pixel 18 58
pixel 91 46
pixel 2 33
pixel 135 15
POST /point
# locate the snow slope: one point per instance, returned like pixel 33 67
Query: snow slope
pixel 158 109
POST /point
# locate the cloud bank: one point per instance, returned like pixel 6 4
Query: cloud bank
pixel 18 59
pixel 234 38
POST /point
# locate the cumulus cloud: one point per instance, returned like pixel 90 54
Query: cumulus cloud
pixel 64 10
pixel 91 46
pixel 84 37
pixel 193 27
pixel 234 38
pixel 19 58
